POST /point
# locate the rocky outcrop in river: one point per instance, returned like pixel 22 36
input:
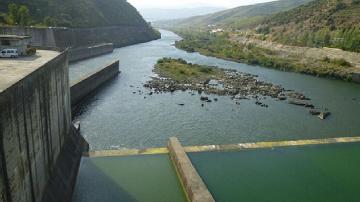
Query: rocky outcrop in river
pixel 223 82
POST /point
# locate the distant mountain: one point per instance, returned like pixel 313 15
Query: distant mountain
pixel 237 18
pixel 157 14
pixel 79 13
pixel 333 23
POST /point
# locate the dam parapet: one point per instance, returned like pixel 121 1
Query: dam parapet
pixel 82 53
pixel 40 149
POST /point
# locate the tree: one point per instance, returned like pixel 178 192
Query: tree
pixel 2 18
pixel 49 21
pixel 18 15
pixel 23 16
pixel 12 14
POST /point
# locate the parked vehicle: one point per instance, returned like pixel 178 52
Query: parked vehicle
pixel 9 53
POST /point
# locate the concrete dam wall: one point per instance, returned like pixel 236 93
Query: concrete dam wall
pixel 40 150
pixel 82 53
pixel 89 83
pixel 80 37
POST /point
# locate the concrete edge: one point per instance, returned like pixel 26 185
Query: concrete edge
pixel 73 83
pixel 194 187
pixel 259 145
pixel 229 147
pixel 91 82
pixel 126 152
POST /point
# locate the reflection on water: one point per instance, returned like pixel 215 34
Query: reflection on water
pixel 123 114
pixel 310 173
pixel 135 178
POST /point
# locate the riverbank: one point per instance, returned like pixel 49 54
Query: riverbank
pixel 177 74
pixel 313 61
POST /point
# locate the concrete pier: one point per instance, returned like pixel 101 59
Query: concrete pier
pixel 89 83
pixel 194 186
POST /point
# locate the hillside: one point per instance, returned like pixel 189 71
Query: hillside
pixel 78 13
pixel 157 14
pixel 331 23
pixel 236 18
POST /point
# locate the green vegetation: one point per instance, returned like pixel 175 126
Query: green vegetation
pixel 69 13
pixel 16 15
pixel 236 18
pixel 321 23
pixel 179 70
pixel 318 23
pixel 219 45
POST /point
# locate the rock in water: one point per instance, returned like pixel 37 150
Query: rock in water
pixel 314 112
pixel 324 115
pixel 202 98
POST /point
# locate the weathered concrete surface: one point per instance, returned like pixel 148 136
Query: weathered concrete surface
pixel 195 188
pixel 89 83
pixel 61 185
pixel 230 147
pixel 80 37
pixel 258 145
pixel 13 70
pixel 126 152
pixel 35 127
pixel 77 54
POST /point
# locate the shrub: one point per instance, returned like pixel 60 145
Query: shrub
pixel 341 62
pixel 206 70
pixel 30 51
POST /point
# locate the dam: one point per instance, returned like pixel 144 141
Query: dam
pixel 40 148
pixel 127 130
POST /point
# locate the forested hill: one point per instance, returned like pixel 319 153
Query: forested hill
pixel 237 18
pixel 332 23
pixel 76 13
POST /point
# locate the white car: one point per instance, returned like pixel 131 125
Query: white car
pixel 9 53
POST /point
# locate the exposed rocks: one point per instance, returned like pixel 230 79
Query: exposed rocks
pixel 324 115
pixel 301 103
pixel 237 85
pixel 314 112
pixel 320 114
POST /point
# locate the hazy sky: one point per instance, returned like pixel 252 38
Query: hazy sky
pixel 191 3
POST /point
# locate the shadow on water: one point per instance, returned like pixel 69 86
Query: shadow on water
pixel 148 178
pixel 93 97
pixel 93 185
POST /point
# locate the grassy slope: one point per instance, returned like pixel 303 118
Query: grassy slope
pixel 240 17
pixel 220 46
pixel 81 13
pixel 333 23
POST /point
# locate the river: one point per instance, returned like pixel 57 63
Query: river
pixel 115 117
